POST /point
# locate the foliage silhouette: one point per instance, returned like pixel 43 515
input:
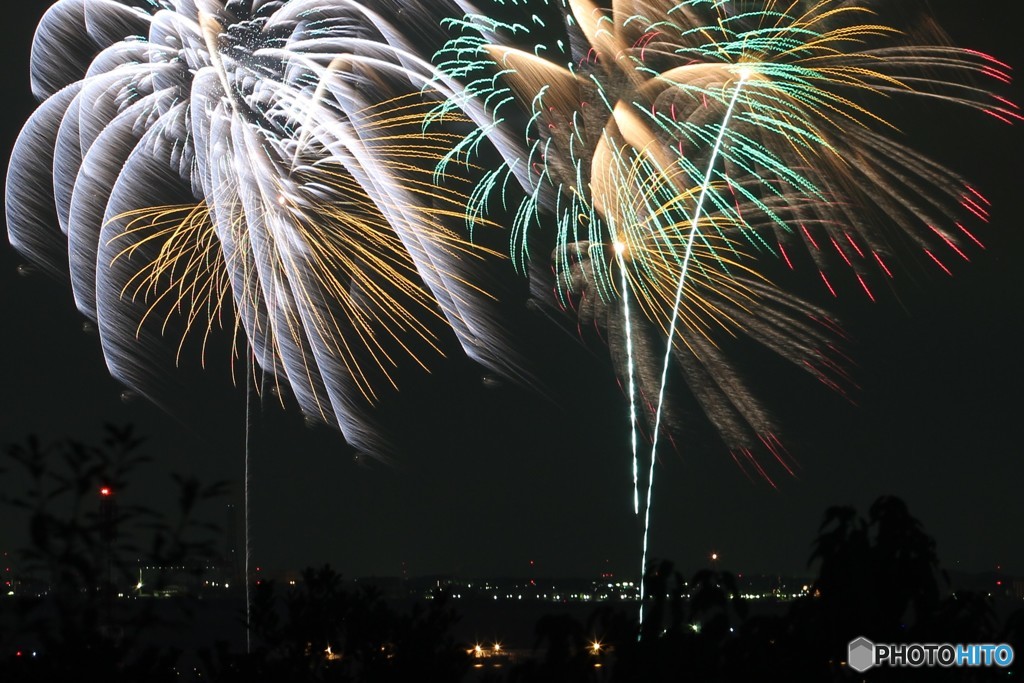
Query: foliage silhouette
pixel 319 631
pixel 85 547
pixel 877 577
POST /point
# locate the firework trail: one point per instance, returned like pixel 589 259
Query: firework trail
pixel 263 167
pixel 686 144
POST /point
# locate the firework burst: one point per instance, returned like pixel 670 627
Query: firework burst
pixel 677 147
pixel 746 131
pixel 264 167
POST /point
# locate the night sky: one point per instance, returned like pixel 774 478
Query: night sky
pixel 496 476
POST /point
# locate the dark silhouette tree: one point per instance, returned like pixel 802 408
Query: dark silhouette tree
pixel 83 549
pixel 877 576
pixel 319 630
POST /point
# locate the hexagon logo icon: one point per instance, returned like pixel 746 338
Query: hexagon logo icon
pixel 861 655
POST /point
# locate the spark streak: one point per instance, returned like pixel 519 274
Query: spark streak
pixel 744 75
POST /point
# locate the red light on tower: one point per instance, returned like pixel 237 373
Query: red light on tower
pixel 108 513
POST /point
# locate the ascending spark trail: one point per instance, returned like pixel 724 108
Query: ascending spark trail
pixel 250 406
pixel 743 75
pixel 620 248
